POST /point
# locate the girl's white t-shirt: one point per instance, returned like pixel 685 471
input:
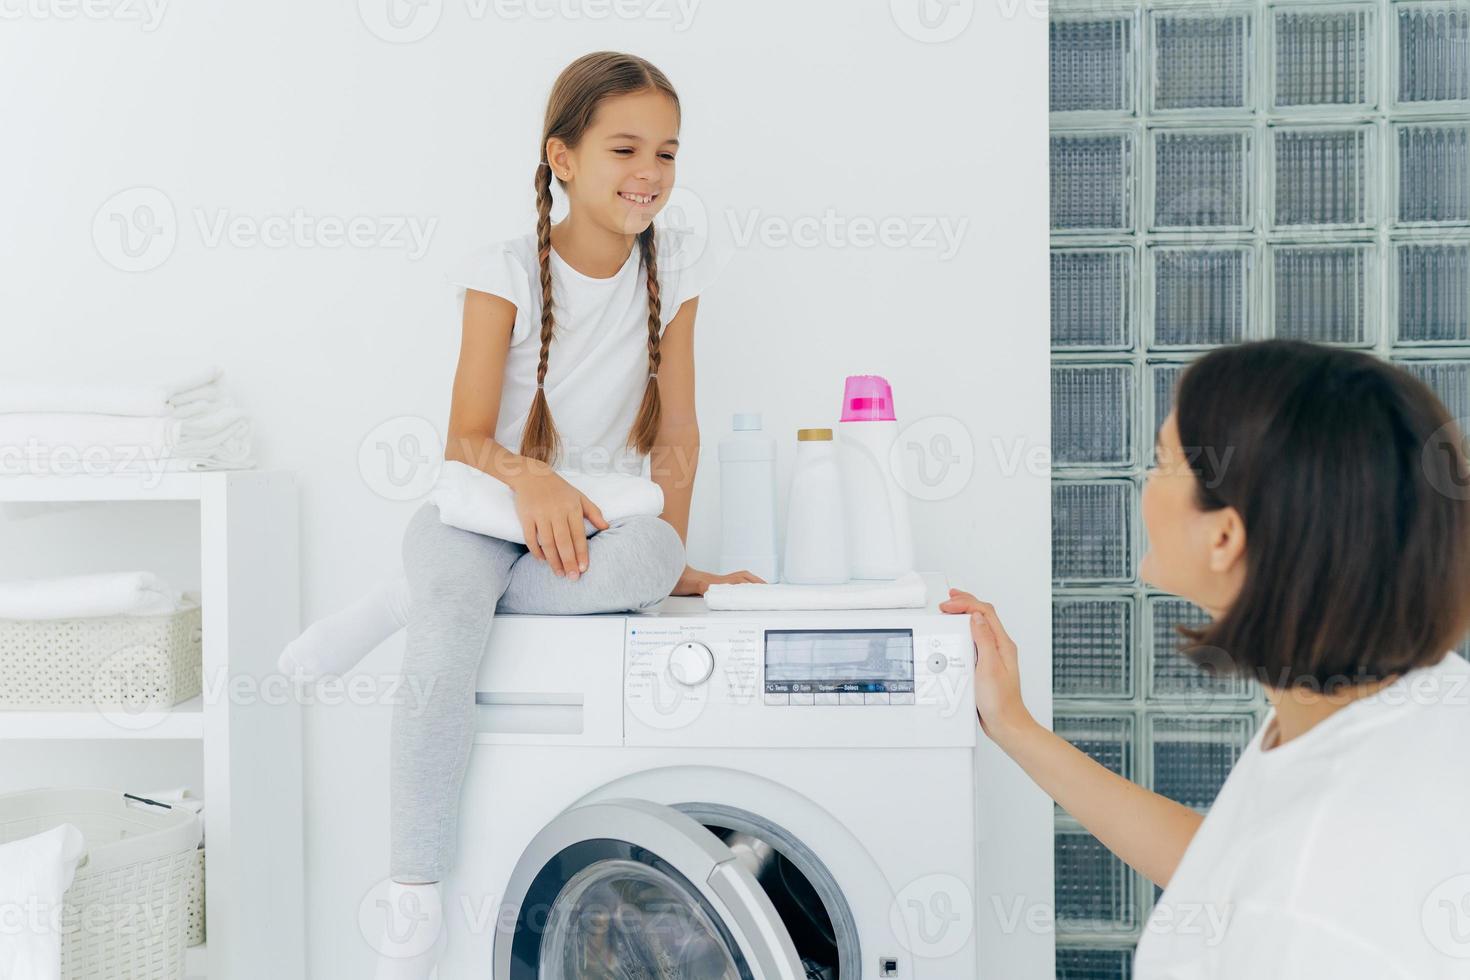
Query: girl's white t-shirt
pixel 1343 854
pixel 597 366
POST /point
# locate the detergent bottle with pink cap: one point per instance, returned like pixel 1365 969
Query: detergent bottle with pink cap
pixel 880 542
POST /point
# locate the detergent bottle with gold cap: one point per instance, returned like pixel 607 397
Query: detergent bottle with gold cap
pixel 816 546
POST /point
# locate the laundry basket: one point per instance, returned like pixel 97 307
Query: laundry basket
pixel 125 912
pixel 195 895
pixel 138 662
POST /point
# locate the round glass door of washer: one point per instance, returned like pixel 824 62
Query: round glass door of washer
pixel 622 919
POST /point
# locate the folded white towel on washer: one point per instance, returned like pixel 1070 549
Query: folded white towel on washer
pixel 162 397
pixel 35 873
pixel 202 436
pixel 906 591
pixel 98 594
pixel 471 499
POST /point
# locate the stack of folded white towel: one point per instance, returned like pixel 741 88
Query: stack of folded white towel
pixel 181 424
pixel 82 596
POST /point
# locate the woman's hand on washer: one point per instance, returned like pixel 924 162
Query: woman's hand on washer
pixel 551 512
pixel 1143 828
pixel 997 669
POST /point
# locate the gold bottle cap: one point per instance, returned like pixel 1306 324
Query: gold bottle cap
pixel 813 435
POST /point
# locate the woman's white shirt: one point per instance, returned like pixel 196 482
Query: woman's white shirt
pixel 1344 853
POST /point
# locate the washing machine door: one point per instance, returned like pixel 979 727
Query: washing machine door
pixel 626 889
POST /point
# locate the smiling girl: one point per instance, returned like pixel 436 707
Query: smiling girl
pixel 578 351
pixel 1316 503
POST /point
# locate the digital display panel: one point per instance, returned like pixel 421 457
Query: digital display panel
pixel 839 661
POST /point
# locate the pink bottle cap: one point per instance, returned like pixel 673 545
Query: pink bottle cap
pixel 867 398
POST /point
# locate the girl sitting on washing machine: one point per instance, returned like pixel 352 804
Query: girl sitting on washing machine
pixel 1316 503
pixel 577 350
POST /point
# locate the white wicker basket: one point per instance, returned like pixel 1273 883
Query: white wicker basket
pixel 125 914
pixel 195 901
pixel 134 662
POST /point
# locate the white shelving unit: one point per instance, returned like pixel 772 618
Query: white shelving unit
pixel 249 586
pixel 184 721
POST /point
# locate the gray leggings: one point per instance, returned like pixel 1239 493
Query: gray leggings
pixel 456 578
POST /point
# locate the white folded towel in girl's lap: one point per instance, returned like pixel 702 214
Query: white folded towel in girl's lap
pixel 78 596
pixel 473 500
pixel 905 592
pixel 110 398
pixel 219 438
pixel 35 873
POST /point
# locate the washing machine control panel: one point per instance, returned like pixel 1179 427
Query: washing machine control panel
pixel 838 666
pixel 706 678
pixel 665 659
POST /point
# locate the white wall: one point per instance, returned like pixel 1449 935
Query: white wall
pixel 791 111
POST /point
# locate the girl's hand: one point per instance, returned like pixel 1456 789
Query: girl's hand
pixel 997 673
pixel 694 582
pixel 551 512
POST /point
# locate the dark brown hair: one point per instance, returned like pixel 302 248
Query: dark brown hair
pixel 575 96
pixel 1351 479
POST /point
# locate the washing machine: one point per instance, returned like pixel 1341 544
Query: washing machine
pixel 687 793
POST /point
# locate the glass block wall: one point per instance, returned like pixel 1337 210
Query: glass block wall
pixel 1220 172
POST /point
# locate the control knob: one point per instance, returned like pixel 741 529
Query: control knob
pixel 691 663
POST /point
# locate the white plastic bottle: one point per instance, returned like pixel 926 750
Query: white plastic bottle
pixel 748 498
pixel 879 535
pixel 816 531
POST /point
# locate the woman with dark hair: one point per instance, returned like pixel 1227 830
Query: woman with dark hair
pixel 1316 503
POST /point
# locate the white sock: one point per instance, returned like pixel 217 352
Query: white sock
pixel 413 935
pixel 334 645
